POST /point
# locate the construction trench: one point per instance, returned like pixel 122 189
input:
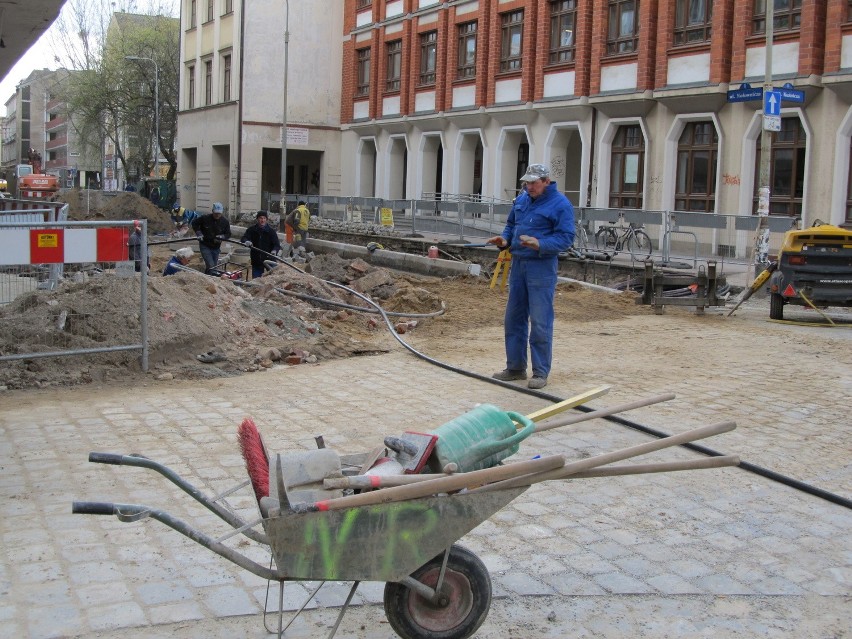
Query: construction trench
pixel 429 305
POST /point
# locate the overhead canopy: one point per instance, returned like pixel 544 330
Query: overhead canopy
pixel 22 23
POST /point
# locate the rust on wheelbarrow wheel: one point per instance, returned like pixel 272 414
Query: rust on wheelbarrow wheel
pixel 467 588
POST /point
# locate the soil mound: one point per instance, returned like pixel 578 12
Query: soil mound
pixel 101 206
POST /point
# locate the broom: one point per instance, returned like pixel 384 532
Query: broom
pixel 254 454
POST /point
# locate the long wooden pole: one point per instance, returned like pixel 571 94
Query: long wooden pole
pixel 604 412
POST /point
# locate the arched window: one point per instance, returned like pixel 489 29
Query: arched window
pixel 786 168
pixel 626 164
pixel 695 186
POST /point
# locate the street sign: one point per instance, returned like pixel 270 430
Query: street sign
pixel 745 93
pixel 789 94
pixel 771 122
pixel 772 104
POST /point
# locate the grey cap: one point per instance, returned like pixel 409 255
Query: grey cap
pixel 535 172
pixel 218 208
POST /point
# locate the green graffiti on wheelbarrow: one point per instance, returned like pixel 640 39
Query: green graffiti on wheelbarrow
pixel 327 543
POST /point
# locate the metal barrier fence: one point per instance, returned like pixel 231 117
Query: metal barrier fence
pixel 675 235
pixel 68 288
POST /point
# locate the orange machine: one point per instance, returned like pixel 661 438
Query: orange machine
pixel 32 184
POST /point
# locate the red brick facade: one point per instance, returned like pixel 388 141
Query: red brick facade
pixel 823 23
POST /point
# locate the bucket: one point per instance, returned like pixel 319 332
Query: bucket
pixel 433 252
pixel 480 438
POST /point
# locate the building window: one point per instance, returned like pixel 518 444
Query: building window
pixel 623 26
pixel 697 149
pixel 193 15
pixel 512 40
pixel 563 16
pixel 693 21
pixel 363 85
pixel 787 169
pixel 787 15
pixel 210 15
pixel 467 50
pixel 208 82
pixel 394 65
pixel 229 7
pixel 627 168
pixel 428 57
pixel 226 78
pixel 190 87
pixel 363 4
pixel 848 10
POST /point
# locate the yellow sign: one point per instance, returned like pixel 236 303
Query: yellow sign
pixel 48 240
pixel 387 217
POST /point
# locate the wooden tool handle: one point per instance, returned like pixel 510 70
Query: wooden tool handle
pixel 618 455
pixel 660 467
pixel 604 412
pixel 441 485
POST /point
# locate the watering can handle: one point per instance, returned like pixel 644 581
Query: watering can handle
pixel 490 448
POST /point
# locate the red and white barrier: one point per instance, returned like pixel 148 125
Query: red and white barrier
pixel 63 246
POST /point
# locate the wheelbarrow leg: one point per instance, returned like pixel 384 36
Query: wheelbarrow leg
pixel 344 609
pixel 281 630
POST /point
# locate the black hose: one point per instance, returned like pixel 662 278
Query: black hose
pixel 747 466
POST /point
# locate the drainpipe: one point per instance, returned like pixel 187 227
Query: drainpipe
pixel 593 174
pixel 237 195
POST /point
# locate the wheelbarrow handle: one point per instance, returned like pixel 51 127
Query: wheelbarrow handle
pixel 92 507
pixel 106 458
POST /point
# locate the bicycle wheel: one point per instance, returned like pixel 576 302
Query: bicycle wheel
pixel 639 245
pixel 605 239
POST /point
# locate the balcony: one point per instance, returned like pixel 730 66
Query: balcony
pixel 56 123
pixel 57 142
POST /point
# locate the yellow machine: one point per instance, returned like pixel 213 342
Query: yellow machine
pixel 814 269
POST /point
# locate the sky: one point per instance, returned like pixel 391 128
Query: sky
pixel 41 54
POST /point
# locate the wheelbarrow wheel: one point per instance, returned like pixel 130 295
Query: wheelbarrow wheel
pixel 467 585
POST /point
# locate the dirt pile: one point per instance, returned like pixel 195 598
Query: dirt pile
pixel 280 318
pixel 101 206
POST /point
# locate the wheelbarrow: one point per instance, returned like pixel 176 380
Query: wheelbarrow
pixel 403 535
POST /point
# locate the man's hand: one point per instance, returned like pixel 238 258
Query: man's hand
pixel 248 243
pixel 530 242
pixel 497 240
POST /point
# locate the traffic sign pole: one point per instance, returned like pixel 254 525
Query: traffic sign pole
pixel 761 237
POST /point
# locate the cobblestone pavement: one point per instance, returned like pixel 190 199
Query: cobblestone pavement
pixel 718 553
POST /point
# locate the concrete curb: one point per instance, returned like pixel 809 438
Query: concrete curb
pixel 399 261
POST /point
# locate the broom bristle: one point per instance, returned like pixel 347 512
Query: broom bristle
pixel 254 454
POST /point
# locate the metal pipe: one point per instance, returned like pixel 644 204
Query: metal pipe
pixel 143 298
pixel 79 351
pixel 281 210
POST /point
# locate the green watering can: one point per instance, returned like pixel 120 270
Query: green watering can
pixel 480 439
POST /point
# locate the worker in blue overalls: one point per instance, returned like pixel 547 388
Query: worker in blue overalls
pixel 539 227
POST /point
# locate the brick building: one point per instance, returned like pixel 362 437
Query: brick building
pixel 627 100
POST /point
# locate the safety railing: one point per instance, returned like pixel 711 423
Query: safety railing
pixel 676 235
pixel 70 288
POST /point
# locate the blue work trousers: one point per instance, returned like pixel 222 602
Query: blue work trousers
pixel 210 257
pixel 529 314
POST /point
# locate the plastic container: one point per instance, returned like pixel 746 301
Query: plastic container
pixel 480 438
pixel 433 252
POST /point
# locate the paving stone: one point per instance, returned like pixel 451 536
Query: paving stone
pixel 618 582
pixel 522 583
pixel 227 601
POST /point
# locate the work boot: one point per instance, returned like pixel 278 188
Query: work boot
pixel 508 375
pixel 537 382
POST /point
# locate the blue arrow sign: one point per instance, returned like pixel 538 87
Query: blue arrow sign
pixel 772 103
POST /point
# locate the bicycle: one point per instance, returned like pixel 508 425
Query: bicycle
pixel 580 246
pixel 616 238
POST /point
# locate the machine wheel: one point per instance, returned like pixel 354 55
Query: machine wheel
pixel 776 306
pixel 467 585
pixel 606 239
pixel 639 245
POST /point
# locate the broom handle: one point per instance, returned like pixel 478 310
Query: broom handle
pixel 605 412
pixel 360 482
pixel 434 486
pixel 618 455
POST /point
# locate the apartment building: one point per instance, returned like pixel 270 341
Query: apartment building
pixel 626 100
pixel 37 118
pixel 230 120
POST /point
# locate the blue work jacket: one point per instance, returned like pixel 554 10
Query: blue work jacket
pixel 549 218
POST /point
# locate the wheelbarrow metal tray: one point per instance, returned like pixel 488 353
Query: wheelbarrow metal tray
pixel 382 542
